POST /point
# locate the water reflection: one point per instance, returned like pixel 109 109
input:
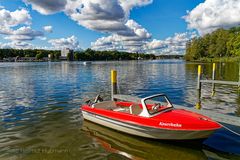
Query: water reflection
pixel 141 148
pixel 238 105
pixel 224 100
pixel 219 156
pixel 138 148
pixel 40 117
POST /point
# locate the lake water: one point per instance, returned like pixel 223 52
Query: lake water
pixel 40 117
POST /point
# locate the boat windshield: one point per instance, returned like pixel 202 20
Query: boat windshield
pixel 158 103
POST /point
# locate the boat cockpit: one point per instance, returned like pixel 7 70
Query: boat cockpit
pixel 148 106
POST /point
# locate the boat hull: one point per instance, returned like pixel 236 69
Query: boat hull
pixel 147 132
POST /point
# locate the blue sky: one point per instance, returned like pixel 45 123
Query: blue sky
pixel 163 18
pixel 150 26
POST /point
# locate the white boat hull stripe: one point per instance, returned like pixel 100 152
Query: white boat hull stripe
pixel 145 131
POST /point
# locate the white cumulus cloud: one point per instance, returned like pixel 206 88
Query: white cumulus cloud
pixel 213 14
pixel 100 15
pixel 128 5
pixel 112 17
pixel 108 16
pixel 171 45
pixel 47 7
pixel 48 29
pixel 155 44
pixel 12 19
pixel 61 43
pixel 15 26
pixel 24 34
pixel 16 45
pixel 129 43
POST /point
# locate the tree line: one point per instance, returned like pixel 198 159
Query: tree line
pixel 38 53
pixel 220 43
pixel 90 54
pixel 87 55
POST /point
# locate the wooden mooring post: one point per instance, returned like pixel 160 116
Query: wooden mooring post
pixel 199 86
pixel 213 78
pixel 113 83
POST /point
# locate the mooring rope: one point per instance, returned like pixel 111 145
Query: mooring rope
pixel 238 134
pixel 119 90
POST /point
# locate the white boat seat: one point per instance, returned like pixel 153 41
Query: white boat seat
pixel 135 109
pixel 105 105
pixel 122 109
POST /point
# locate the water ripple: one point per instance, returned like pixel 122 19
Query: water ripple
pixel 40 116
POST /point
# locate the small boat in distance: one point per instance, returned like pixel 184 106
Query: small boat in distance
pixel 87 63
pixel 155 117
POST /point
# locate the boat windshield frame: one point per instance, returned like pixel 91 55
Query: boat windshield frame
pixel 154 96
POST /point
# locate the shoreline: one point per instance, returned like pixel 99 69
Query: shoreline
pixel 217 60
pixel 7 61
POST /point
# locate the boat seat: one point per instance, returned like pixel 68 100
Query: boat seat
pixel 122 109
pixel 135 109
pixel 105 105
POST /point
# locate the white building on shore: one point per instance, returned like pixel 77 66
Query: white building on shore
pixel 65 52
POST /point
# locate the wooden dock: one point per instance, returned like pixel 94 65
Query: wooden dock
pixel 220 82
pixel 201 81
pixel 222 118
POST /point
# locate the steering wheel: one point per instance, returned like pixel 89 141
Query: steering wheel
pixel 156 106
pixel 98 99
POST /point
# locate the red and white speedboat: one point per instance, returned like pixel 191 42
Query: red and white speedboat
pixel 155 117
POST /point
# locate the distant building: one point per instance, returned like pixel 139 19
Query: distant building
pixel 65 52
pixel 25 59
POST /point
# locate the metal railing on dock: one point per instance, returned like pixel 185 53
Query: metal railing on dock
pixel 212 81
pixel 220 82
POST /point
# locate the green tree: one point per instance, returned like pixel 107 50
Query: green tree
pixel 52 56
pixel 39 56
pixel 57 55
pixel 77 55
pixel 220 43
pixel 70 56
